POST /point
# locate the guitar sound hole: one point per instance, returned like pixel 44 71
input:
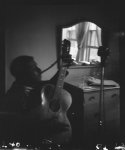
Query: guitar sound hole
pixel 54 106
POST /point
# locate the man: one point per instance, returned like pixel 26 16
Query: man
pixel 35 120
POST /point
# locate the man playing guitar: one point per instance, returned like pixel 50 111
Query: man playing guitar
pixel 41 105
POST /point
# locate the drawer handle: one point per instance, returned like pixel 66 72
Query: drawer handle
pixel 92 98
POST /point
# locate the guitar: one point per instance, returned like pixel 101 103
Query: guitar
pixel 56 101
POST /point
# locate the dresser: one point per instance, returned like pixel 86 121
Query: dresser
pixel 90 105
pixel 111 113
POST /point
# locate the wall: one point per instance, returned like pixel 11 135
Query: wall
pixel 112 67
pixel 31 30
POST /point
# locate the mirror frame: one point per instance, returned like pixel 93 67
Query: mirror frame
pixel 105 35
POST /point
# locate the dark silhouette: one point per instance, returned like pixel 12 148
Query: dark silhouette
pixel 27 116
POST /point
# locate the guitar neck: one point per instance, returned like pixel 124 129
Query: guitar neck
pixel 60 81
pixel 66 59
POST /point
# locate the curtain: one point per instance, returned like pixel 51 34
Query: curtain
pixel 84 38
pixel 99 36
pixel 81 36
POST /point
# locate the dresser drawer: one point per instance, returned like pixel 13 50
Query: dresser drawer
pixel 91 97
pixel 91 113
pixel 111 111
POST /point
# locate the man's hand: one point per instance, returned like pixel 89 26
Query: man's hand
pixel 27 90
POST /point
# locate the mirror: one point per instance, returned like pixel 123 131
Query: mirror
pixel 85 38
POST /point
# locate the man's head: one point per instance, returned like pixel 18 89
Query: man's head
pixel 24 68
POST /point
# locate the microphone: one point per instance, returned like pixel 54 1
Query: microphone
pixel 103 52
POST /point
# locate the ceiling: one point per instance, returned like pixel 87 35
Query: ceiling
pixel 67 2
pixel 111 8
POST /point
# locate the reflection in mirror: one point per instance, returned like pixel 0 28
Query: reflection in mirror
pixel 85 38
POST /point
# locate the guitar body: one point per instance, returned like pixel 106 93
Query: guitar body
pixel 56 108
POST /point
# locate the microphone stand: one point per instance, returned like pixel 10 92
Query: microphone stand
pixel 103 53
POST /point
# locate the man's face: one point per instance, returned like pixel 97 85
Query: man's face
pixel 34 72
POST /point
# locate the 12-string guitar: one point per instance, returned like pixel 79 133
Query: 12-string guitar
pixel 56 100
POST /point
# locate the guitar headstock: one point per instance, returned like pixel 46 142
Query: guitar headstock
pixel 66 56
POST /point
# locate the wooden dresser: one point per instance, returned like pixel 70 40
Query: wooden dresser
pixel 111 112
pixel 90 103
